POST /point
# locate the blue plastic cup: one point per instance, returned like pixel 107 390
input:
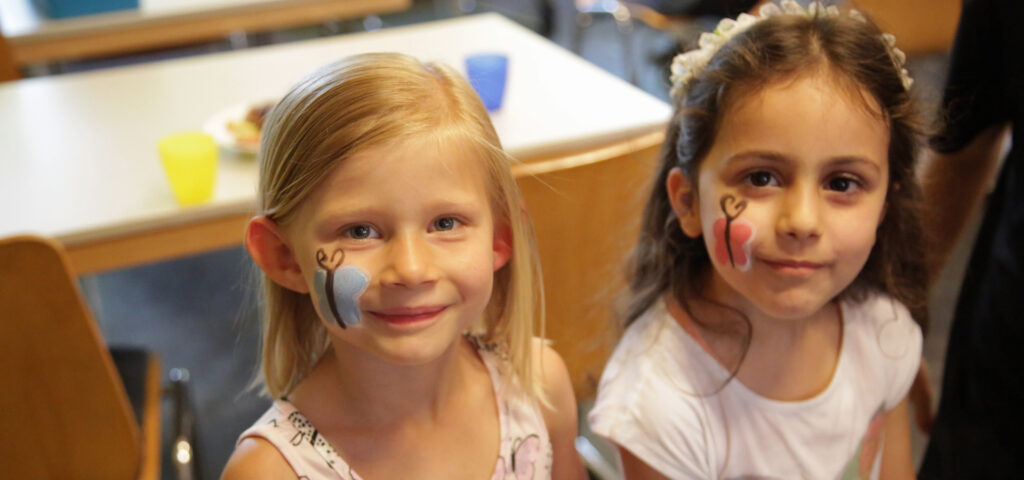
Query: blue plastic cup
pixel 487 74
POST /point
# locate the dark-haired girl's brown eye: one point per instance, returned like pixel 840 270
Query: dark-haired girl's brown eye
pixel 762 179
pixel 842 184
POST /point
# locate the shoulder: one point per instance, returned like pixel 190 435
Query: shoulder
pixel 645 338
pixel 886 320
pixel 654 359
pixel 256 458
pixel 549 365
pixel 558 411
pixel 890 340
pixel 653 397
pixel 554 377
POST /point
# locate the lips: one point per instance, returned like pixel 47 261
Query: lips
pixel 409 315
pixel 794 267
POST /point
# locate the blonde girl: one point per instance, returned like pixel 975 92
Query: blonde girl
pixel 779 271
pixel 401 287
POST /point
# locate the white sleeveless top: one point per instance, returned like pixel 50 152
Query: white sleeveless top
pixel 662 398
pixel 525 451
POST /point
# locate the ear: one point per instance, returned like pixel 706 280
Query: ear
pixel 684 202
pixel 268 249
pixel 502 245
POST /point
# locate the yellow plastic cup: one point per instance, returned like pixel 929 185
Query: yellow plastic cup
pixel 190 160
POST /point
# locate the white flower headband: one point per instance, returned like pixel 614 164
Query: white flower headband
pixel 687 65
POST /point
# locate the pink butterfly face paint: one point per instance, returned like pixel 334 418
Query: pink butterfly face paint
pixel 733 236
pixel 338 288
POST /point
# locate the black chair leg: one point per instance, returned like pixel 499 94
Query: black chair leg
pixel 185 450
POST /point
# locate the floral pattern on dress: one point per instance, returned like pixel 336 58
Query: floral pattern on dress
pixel 524 453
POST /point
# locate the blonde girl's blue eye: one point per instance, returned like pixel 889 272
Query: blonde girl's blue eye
pixel 445 224
pixel 361 232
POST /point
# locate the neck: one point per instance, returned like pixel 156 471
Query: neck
pixel 375 393
pixel 766 327
pixel 789 358
pixel 723 321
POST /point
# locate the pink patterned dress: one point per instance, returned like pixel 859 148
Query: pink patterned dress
pixel 525 451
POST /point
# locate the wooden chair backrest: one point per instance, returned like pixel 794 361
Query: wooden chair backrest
pixel 920 26
pixel 585 211
pixel 8 67
pixel 65 411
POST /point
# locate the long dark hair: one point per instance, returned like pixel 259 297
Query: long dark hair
pixel 778 48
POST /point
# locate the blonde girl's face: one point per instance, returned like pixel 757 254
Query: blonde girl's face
pixel 790 196
pixel 413 219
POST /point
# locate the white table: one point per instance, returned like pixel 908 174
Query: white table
pixel 34 38
pixel 78 156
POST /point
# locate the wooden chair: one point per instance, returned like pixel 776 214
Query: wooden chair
pixel 585 209
pixel 8 67
pixel 72 408
pixel 920 26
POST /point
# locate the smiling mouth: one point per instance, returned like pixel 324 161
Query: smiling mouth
pixel 408 315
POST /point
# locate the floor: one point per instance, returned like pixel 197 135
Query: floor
pixel 200 313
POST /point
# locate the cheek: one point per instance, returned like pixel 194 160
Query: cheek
pixel 731 239
pixel 337 283
pixel 475 271
pixel 732 243
pixel 469 268
pixel 854 243
pixel 854 231
pixel 337 293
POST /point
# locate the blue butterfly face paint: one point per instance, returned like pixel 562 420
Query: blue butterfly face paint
pixel 338 289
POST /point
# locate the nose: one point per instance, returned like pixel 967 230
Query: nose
pixel 409 262
pixel 800 217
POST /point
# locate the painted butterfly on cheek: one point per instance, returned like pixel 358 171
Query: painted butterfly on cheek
pixel 733 236
pixel 338 288
pixel 525 452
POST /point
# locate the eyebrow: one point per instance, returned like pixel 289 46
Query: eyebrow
pixel 328 216
pixel 774 157
pixel 778 157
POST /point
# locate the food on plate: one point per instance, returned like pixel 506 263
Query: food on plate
pixel 247 130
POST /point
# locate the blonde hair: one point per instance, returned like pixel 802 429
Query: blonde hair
pixel 368 101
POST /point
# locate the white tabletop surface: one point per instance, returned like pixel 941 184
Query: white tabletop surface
pixel 78 156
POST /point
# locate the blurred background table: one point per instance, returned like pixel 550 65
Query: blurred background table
pixel 33 38
pixel 80 163
pixel 198 311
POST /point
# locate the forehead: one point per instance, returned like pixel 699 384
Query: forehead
pixel 405 170
pixel 813 116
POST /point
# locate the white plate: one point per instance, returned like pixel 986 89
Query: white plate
pixel 217 127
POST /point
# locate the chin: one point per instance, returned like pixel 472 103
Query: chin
pixel 793 306
pixel 413 351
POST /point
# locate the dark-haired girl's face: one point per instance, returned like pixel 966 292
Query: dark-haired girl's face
pixel 789 196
